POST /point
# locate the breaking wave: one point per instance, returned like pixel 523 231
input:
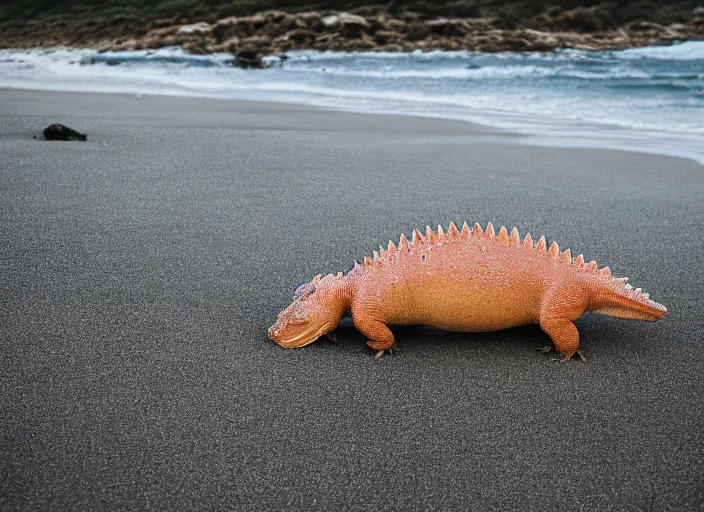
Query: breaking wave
pixel 650 99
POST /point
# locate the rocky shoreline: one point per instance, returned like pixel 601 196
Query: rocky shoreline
pixel 250 38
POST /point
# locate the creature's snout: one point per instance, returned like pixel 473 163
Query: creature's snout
pixel 296 331
pixel 284 331
pixel 272 332
pixel 275 330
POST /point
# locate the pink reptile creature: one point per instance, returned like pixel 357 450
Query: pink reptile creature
pixel 470 281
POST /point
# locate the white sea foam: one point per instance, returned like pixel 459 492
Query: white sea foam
pixel 690 50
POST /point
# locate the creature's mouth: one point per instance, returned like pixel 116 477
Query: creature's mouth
pixel 298 340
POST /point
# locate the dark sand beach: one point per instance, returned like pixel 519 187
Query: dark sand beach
pixel 142 268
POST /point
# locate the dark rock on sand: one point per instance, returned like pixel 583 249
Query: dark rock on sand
pixel 61 132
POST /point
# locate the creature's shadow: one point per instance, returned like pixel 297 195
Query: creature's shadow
pixel 419 338
pixel 595 330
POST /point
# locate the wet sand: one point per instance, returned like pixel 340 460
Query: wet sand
pixel 141 269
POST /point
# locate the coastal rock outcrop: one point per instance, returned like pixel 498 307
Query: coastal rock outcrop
pixel 580 20
pixel 369 28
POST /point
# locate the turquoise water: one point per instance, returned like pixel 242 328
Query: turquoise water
pixel 648 99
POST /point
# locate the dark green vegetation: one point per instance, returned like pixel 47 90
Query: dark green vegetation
pixel 20 11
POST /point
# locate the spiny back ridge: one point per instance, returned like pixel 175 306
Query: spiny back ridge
pixel 453 234
pixel 466 233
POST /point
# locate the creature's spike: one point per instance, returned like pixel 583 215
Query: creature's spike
pixel 528 241
pixel 490 229
pixel 477 231
pixel 567 256
pixel 392 247
pixel 605 272
pixel 579 260
pixel 592 266
pixel 367 261
pixel 453 232
pixel 441 233
pixel 403 243
pixel 417 237
pixel 503 234
pixel 515 237
pixel 382 252
pixel 465 230
pixel 541 245
pixel 430 236
pixel 554 250
pixel 375 257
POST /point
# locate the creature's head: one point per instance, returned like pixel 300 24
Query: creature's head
pixel 317 309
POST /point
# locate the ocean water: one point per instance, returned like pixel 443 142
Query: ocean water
pixel 647 99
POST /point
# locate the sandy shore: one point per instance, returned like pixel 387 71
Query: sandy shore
pixel 141 269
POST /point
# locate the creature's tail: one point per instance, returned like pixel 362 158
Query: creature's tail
pixel 617 298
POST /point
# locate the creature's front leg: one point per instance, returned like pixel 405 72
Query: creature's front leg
pixel 380 337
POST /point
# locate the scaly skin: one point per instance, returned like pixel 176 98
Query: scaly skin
pixel 469 281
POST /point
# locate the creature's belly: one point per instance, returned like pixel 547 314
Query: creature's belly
pixel 470 310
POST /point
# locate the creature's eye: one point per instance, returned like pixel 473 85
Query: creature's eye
pixel 298 317
pixel 300 289
pixel 303 290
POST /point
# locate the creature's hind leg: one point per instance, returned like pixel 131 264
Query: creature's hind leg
pixel 564 335
pixel 561 306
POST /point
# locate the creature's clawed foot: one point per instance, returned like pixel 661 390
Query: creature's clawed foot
pixel 380 347
pixel 567 356
pixel 570 356
pixel 393 349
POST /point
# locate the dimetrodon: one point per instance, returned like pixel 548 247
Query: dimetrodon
pixel 462 280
